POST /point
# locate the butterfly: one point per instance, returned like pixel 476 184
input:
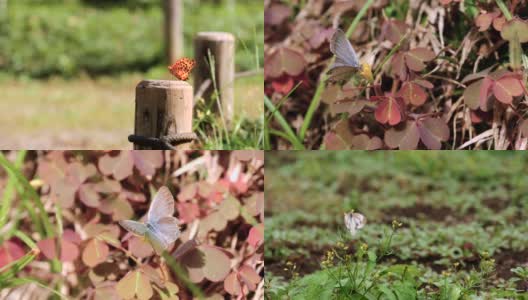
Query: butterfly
pixel 346 61
pixel 161 228
pixel 354 221
pixel 182 67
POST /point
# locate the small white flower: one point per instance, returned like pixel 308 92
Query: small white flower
pixel 354 221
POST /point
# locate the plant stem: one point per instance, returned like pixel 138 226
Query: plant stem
pixel 504 9
pixel 212 69
pixel 313 107
pixel 20 281
pixel 391 53
pixel 285 126
pixel 180 272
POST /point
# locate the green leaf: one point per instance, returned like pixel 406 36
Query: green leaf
pixel 515 30
pixel 405 290
pixel 372 255
pixel 387 292
pixel 454 292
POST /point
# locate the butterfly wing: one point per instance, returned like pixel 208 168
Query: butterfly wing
pixel 169 229
pixel 354 221
pixel 359 219
pixel 175 70
pixel 163 233
pixel 182 67
pixel 340 74
pixel 136 228
pixel 350 224
pixel 157 241
pixel 345 55
pixel 162 205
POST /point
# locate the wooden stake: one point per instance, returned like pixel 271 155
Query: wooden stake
pixel 163 107
pixel 173 29
pixel 221 45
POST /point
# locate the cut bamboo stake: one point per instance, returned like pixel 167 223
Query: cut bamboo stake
pixel 173 29
pixel 163 107
pixel 221 46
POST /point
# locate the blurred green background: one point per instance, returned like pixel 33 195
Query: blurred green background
pixel 68 68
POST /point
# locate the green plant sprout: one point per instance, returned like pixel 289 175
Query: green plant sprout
pixel 459 225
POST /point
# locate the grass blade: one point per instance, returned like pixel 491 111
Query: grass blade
pixel 28 194
pixel 26 239
pixel 284 124
pixel 21 281
pixel 9 191
pixel 504 9
pixel 10 270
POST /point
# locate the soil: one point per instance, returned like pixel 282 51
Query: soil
pixel 420 211
pixel 508 259
pixel 69 140
pixel 496 204
pixel 304 265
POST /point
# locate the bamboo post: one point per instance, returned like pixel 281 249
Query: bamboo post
pixel 163 107
pixel 173 29
pixel 221 46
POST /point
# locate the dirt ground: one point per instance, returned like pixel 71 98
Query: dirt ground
pixel 85 113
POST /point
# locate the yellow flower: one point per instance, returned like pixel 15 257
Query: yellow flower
pixel 366 72
pixel 364 247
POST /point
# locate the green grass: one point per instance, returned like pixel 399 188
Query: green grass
pixel 17 184
pixel 66 38
pixel 245 19
pixel 459 211
pixel 96 113
pixel 73 110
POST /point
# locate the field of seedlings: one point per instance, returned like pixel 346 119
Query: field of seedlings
pixel 439 226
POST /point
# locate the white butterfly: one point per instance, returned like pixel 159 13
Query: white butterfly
pixel 346 61
pixel 354 221
pixel 161 228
